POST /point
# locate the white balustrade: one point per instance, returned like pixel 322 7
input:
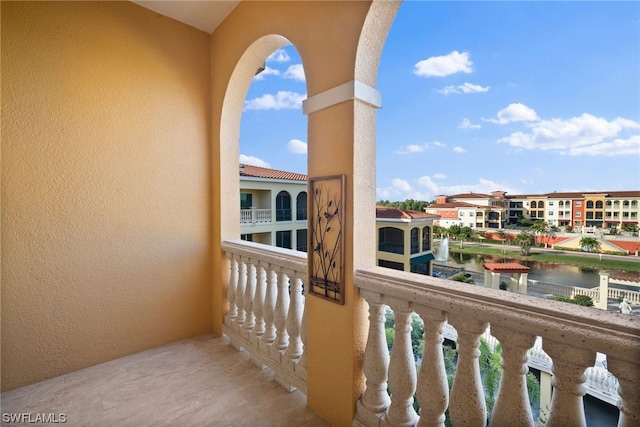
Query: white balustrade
pixel 266 308
pixel 555 336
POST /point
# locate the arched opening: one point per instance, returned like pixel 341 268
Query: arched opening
pixel 391 239
pixel 283 206
pixel 415 240
pixel 301 206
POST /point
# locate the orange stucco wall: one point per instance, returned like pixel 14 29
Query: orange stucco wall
pixel 105 185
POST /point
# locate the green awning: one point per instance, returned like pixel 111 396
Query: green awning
pixel 422 259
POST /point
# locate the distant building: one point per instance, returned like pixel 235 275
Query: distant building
pixel 273 211
pixel 600 209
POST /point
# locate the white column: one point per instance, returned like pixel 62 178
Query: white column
pixel 294 318
pixel 269 307
pixel 282 306
pixel 512 404
pixel 467 406
pixel 433 388
pixel 523 283
pixel 258 302
pixel 376 359
pixel 402 369
pixel 569 364
pixel 628 376
pixel 249 292
pixel 603 290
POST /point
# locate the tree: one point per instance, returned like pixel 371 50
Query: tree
pixel 525 240
pixel 541 228
pixel 590 244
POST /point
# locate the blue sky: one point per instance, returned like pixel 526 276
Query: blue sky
pixel 524 97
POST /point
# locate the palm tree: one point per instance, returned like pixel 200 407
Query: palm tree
pixel 590 244
pixel 541 228
pixel 525 241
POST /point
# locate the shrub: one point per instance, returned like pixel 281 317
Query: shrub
pixel 584 300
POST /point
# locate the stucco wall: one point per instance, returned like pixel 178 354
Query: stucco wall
pixel 105 185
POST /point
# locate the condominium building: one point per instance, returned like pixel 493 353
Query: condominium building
pixel 607 209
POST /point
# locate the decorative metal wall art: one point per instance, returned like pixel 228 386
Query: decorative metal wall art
pixel 326 235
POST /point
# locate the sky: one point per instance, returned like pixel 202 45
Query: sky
pixel 522 97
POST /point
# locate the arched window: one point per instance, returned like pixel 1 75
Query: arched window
pixel 301 206
pixel 391 240
pixel 599 204
pixel 426 239
pixel 534 205
pixel 540 205
pixel 283 206
pixel 415 240
pixel 589 204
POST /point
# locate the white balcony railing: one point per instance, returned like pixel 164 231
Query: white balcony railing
pixel 255 216
pixel 571 338
pixel 266 308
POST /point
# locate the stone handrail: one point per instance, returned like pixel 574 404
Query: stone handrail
pixel 571 337
pixel 594 293
pixel 266 308
pixel 255 216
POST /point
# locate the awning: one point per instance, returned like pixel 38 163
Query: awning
pixel 422 259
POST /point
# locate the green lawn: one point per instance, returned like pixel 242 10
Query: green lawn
pixel 559 258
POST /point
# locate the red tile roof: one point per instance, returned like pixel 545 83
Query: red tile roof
pixel 258 172
pixel 395 213
pixel 451 205
pixel 506 267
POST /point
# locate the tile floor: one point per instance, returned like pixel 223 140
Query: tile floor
pixel 198 382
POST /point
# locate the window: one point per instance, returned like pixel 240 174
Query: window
pixel 391 264
pixel 283 239
pixel 625 203
pixel 551 203
pixel 391 240
pixel 540 205
pixel 247 237
pixel 578 214
pixel 589 215
pixel 283 206
pixel 550 213
pixel 590 204
pixel 301 207
pixel 578 203
pixel 471 214
pixel 246 200
pixel 426 239
pixel 534 204
pixel 599 204
pixel 301 240
pixel 415 240
pixel 461 213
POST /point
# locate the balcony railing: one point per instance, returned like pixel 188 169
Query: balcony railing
pixel 255 216
pixel 266 308
pixel 571 338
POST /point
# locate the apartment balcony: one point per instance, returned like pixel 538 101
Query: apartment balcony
pixel 256 374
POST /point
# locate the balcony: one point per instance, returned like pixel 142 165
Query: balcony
pixel 266 318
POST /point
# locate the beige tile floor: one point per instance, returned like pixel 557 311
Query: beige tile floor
pixel 197 382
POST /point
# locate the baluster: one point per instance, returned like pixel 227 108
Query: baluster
pixel 294 317
pixel 433 388
pixel 512 404
pixel 258 301
pixel 569 364
pixel 249 293
pixel 242 284
pixel 628 386
pixel 303 330
pixel 402 369
pixel 269 307
pixel 376 358
pixel 467 406
pixel 280 316
pixel 231 314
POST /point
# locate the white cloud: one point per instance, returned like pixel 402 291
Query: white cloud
pixel 514 113
pixel 295 72
pixel 466 124
pixel 464 88
pixel 440 66
pixel 254 161
pixel 411 149
pixel 268 71
pixel 427 188
pixel 439 144
pixel 583 135
pixel 297 147
pixel 279 101
pixel 279 55
pixel 459 149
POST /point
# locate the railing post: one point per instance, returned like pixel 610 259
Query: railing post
pixel 569 364
pixel 402 369
pixel 376 359
pixel 433 388
pixel 242 284
pixel 269 307
pixel 249 292
pixel 230 315
pixel 258 302
pixel 294 318
pixel 467 406
pixel 282 306
pixel 512 404
pixel 628 385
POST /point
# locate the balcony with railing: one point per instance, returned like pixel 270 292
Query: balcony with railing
pixel 266 318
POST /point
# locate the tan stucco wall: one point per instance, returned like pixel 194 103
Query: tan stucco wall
pixel 105 185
